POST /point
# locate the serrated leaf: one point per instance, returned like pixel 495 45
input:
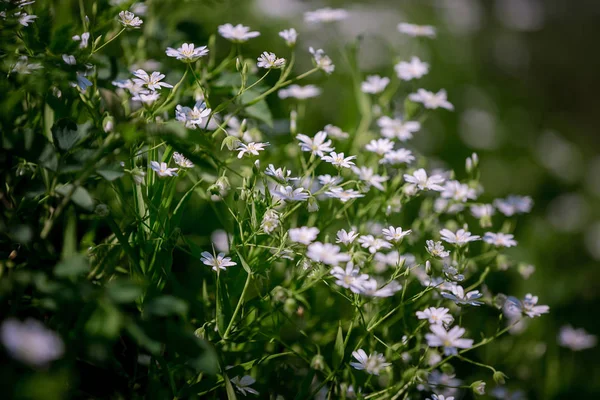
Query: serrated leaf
pixel 338 348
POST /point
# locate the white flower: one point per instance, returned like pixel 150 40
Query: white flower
pixel 289 35
pixel 192 117
pixel 500 239
pixel 514 307
pixel 187 52
pixel 373 244
pixel 31 342
pixel 84 38
pixel 436 249
pixel 367 175
pixel 458 191
pixel 348 277
pixel 281 175
pixel 25 19
pixel 423 182
pixel 269 60
pixel 69 59
pixel 270 221
pixel 219 262
pixel 326 14
pixel 414 69
pixel 299 92
pixel 450 340
pixel 374 84
pixel 243 385
pixel 291 194
pixel 416 30
pixel 338 160
pixel 238 33
pixel 250 148
pixel 329 180
pixel 380 146
pixel 482 211
pixel 322 60
pixel 24 67
pixel 440 396
pixel 305 235
pixel 371 364
pixel 326 253
pixel 400 156
pixel 514 205
pixel 395 234
pixel 576 339
pixel 317 145
pixel 346 237
pixel 162 169
pixel 152 82
pixel 371 288
pixel 182 161
pixel 431 100
pixel 129 19
pixel 459 238
pixel 458 296
pixel 335 132
pixel 343 195
pixel 146 97
pixel 436 316
pixel 396 128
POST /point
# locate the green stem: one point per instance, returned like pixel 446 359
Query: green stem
pixel 237 307
pixel 94 51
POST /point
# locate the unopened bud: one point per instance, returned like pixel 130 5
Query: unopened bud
pixel 312 205
pixel 12 255
pixel 290 306
pixel 478 388
pixel 428 269
pixel 500 378
pixel 318 362
pixel 238 64
pixel 293 122
pixel 102 210
pixel 108 124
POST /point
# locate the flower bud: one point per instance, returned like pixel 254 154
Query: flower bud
pixel 108 124
pixel 293 124
pixel 279 294
pixel 428 269
pixel 499 378
pixel 318 362
pixel 138 176
pixel 238 64
pixel 478 387
pixel 447 369
pixel 312 204
pixel 102 210
pixel 290 306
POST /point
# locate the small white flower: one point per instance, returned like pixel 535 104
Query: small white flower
pixel 291 194
pixel 459 296
pixel 436 316
pixel 322 60
pixel 281 175
pixel 219 262
pixel 243 385
pixel 514 205
pixel 338 160
pixel 335 132
pixel 343 195
pixel 514 307
pixel 317 145
pixel 25 19
pixel 576 339
pixel 395 157
pixel 31 342
pixel 396 128
pixel 305 235
pixel 24 67
pixel 348 277
pixel 326 253
pixel 83 39
pixel 69 59
pixel 346 237
pixel 431 100
pixel 373 244
pixel 162 169
pixel 482 211
pixel 192 117
pixel 500 239
pixel 329 180
pixel 326 14
pixel 269 60
pixel 367 175
pixel 270 221
pixel 146 97
pixel 182 161
pixel 423 182
pixel 461 237
pixel 416 30
pixel 450 340
pixel 414 69
pixel 250 148
pixel 152 82
pixel 128 19
pixel 380 146
pixel 440 396
pixel 395 234
pixel 371 364
pixel 436 249
pixel 371 288
pixel 289 35
pixel 238 33
pixel 187 52
pixel 299 92
pixel 458 191
pixel 374 84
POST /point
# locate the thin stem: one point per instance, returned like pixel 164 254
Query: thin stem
pixel 94 51
pixel 237 307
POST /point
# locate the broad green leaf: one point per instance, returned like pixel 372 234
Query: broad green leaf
pixel 110 174
pixel 338 348
pixel 229 388
pixel 66 134
pixel 80 196
pixel 123 291
pixel 71 267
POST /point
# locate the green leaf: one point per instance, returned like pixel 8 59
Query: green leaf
pixel 224 311
pixel 259 110
pixel 229 388
pixel 123 291
pixel 80 196
pixel 110 174
pixel 70 235
pixel 66 134
pixel 105 321
pixel 338 348
pixel 244 263
pixel 231 142
pixel 138 334
pixel 71 267
pixel 166 305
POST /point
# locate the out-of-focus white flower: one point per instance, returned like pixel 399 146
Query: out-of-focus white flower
pixel 162 169
pixel 192 117
pixel 338 160
pixel 83 39
pixel 128 19
pixel 326 14
pixel 329 180
pixel 346 237
pixel 457 294
pixel 281 175
pixel 416 30
pixel 500 239
pixel 374 84
pixel 371 364
pixel 431 100
pixel 250 148
pixel 270 221
pixel 69 59
pixel 289 35
pixel 305 235
pixel 371 288
pixel 326 253
pixel 514 205
pixel 25 19
pixel 458 191
pixel 400 156
pixel 373 244
pixel 514 307
pixel 299 92
pixel 243 385
pixel 450 340
pixel 367 175
pixel 396 128
pixel 218 262
pixel 414 69
pixel 238 33
pixel 31 342
pixel 380 146
pixel 290 194
pixel 343 195
pixel 436 249
pixel 576 339
pixel 187 52
pixel 482 210
pixel 182 161
pixel 436 316
pixel 393 234
pixel 423 182
pixel 335 132
pixel 152 82
pixel 348 277
pixel 322 60
pixel 24 67
pixel 270 61
pixel 461 237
